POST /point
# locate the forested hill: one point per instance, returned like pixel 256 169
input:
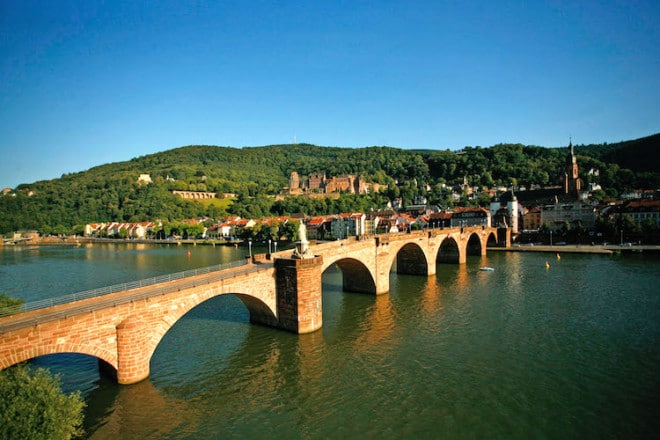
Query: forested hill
pixel 111 193
pixel 638 155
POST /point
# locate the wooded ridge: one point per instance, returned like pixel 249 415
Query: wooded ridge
pixel 111 192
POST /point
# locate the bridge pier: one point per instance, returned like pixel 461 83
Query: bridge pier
pixel 132 354
pixel 299 294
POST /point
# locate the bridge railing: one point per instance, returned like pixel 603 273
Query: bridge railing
pixel 49 302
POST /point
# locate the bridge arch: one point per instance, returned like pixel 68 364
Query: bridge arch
pixel 411 260
pixel 356 276
pixel 474 245
pixel 44 349
pixel 490 239
pixel 259 311
pixel 450 251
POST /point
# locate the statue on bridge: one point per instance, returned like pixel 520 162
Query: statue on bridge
pixel 304 251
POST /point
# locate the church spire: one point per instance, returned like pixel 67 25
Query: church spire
pixel 572 182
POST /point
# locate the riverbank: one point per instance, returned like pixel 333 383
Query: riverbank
pixel 579 249
pixel 555 249
pixel 77 241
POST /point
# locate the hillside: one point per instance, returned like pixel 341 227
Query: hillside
pixel 638 155
pixel 110 192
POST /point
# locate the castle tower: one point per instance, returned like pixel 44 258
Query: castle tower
pixel 294 181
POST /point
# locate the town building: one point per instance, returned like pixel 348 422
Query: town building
pixel 531 219
pixel 144 179
pixel 319 227
pixel 468 217
pixel 642 211
pixel 348 225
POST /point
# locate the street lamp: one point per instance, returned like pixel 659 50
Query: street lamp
pixel 275 243
pixel 269 252
pixel 250 247
pixel 550 237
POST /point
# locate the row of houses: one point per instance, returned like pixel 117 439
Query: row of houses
pixel 326 227
pixel 330 227
pixel 120 229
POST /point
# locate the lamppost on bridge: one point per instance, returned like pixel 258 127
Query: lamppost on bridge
pixel 275 243
pixel 250 247
pixel 269 252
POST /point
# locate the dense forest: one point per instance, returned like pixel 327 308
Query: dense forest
pixel 111 192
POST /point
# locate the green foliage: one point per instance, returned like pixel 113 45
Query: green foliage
pixel 111 193
pixel 33 406
pixel 9 305
pixel 638 155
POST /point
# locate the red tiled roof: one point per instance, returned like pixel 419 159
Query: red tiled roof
pixel 470 209
pixel 317 221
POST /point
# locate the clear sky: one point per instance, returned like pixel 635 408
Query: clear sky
pixel 83 83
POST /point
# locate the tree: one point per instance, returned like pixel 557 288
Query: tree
pixel 290 230
pixel 33 406
pixel 9 305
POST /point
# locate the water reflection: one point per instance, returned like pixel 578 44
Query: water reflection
pixel 377 327
pixel 431 296
pixel 139 411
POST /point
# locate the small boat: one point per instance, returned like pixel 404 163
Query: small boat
pixel 486 269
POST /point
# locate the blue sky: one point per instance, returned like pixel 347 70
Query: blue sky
pixel 83 83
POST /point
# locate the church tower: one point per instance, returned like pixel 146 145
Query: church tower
pixel 572 183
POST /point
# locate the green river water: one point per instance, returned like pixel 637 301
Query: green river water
pixel 523 352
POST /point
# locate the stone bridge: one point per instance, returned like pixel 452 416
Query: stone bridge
pixel 123 329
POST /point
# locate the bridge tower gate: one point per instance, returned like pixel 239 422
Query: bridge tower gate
pixel 299 294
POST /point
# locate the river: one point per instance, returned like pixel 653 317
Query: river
pixel 525 351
